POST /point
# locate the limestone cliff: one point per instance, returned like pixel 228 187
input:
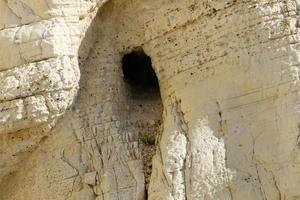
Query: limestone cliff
pixel 218 118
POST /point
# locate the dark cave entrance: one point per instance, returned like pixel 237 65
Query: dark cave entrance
pixel 138 71
pixel 145 102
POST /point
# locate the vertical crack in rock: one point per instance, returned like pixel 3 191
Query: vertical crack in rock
pixel 257 170
pixel 64 159
pixel 222 132
pixel 276 185
pixel 116 182
pixel 272 180
pixel 298 137
pixel 221 122
pixel 182 128
pixel 138 174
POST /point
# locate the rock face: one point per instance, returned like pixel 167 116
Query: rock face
pixel 223 123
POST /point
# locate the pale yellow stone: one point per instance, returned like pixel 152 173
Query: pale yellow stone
pixel 228 76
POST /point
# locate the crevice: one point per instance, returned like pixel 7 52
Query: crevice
pixel 63 158
pixel 221 121
pixel 256 169
pixel 182 127
pixel 144 105
pixel 298 137
pixel 276 185
pixel 116 182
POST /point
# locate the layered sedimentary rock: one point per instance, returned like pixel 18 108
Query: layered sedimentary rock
pixel 226 120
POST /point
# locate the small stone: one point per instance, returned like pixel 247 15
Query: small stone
pixel 90 178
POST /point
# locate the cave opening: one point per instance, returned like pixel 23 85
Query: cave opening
pixel 145 102
pixel 138 71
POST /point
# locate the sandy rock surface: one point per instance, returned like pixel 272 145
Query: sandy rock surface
pixel 223 123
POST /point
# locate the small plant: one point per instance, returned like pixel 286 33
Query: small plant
pixel 147 139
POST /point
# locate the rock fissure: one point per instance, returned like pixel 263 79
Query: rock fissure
pixel 182 128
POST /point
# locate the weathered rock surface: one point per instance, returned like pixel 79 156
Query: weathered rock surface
pixel 71 127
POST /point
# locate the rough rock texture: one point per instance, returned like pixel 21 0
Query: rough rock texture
pixel 72 128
